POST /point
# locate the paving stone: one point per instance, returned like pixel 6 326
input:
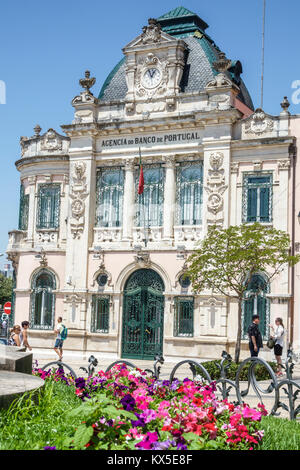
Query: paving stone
pixel 15 384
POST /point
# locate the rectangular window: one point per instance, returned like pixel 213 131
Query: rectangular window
pixel 100 314
pixel 184 316
pixel 189 193
pixel 109 197
pixel 24 209
pixel 257 198
pixel 150 202
pixel 48 206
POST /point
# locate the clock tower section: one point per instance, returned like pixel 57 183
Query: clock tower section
pixel 154 67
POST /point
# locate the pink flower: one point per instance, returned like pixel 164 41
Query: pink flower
pixel 148 441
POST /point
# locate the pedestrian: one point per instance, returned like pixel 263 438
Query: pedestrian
pixel 255 339
pixel 278 336
pixel 61 332
pixel 24 335
pixel 14 339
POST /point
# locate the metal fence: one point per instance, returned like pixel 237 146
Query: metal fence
pixel 236 390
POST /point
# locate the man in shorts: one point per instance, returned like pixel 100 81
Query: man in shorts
pixel 58 346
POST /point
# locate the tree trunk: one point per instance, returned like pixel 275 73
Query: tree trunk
pixel 239 333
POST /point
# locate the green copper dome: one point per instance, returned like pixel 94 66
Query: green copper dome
pixel 198 71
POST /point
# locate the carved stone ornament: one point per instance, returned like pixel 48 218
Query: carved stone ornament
pixel 14 258
pixel 221 65
pixel 259 123
pixel 51 141
pixel 142 258
pixel 216 160
pixel 215 187
pixel 73 299
pixel 220 81
pixel 87 82
pixel 284 164
pixel 234 167
pixel 86 96
pixel 78 195
pixel 151 33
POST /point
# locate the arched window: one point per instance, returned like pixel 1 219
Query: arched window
pixel 43 300
pixel 256 303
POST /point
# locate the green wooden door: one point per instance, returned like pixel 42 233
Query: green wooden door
pixel 143 315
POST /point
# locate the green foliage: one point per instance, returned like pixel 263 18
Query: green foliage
pixel 261 372
pixel 280 434
pixel 99 406
pixel 227 258
pixel 33 422
pixel 6 289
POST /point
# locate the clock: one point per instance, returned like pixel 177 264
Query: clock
pixel 151 78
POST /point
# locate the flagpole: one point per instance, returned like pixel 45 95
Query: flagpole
pixel 263 56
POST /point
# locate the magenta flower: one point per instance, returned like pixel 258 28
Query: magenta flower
pixel 148 441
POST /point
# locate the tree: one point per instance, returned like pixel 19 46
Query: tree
pixel 6 289
pixel 228 258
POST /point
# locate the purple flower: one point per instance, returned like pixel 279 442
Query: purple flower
pixel 128 402
pixel 181 446
pixel 139 422
pixel 162 445
pixel 80 382
pixel 50 448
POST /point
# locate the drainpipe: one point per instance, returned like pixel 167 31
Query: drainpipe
pixel 292 300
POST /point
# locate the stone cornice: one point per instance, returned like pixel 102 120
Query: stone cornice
pixel 267 141
pixel 40 159
pixel 160 123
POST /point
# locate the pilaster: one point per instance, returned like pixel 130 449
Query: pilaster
pixel 169 198
pixel 128 200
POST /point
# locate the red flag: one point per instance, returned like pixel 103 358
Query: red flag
pixel 141 182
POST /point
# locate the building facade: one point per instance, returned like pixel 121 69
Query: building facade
pixel 111 261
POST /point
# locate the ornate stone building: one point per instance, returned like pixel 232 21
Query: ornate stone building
pixel 110 261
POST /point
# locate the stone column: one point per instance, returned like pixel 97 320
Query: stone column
pixel 128 200
pixel 169 198
pixel 31 209
pixel 79 237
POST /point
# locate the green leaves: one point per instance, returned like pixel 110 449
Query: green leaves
pixel 83 435
pixel 227 258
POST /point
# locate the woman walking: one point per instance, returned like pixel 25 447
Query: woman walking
pixel 278 336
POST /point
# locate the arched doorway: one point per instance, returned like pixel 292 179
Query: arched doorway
pixel 143 315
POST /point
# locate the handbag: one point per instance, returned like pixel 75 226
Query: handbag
pixel 271 343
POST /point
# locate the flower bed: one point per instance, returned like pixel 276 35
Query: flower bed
pixel 125 409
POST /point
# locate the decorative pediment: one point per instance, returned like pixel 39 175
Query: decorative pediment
pixel 258 124
pixel 152 35
pixel 49 143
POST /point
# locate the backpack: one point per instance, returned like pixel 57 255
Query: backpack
pixel 64 333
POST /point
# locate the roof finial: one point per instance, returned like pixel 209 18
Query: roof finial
pixel 222 63
pixel 87 82
pixel 285 104
pixel 37 130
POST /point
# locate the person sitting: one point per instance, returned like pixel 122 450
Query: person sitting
pixel 14 339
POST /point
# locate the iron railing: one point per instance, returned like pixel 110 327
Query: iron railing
pixel 238 388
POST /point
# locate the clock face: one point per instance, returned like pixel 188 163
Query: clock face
pixel 151 78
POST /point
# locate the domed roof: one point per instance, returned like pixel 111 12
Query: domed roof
pixel 198 71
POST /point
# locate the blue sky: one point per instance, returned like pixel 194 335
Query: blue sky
pixel 47 46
